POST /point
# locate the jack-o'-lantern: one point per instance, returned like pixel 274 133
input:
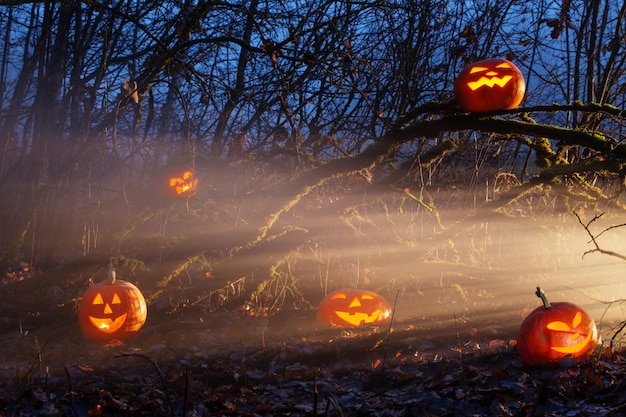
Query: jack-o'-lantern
pixel 183 184
pixel 353 307
pixel 556 330
pixel 488 85
pixel 112 309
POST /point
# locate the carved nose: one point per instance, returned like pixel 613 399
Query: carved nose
pixel 355 303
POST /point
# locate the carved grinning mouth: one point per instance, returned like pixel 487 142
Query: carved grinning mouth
pixel 573 348
pixel 183 185
pixel 357 318
pixel 489 82
pixel 108 325
pixel 560 326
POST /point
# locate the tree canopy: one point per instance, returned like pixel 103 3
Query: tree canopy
pixel 288 111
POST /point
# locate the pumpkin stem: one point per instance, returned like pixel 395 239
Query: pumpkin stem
pixel 112 275
pixel 539 293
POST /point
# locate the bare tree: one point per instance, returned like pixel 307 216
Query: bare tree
pixel 322 103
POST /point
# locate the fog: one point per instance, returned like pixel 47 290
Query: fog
pixel 476 273
pixel 450 265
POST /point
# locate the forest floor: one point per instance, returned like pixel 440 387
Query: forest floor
pixel 286 366
pixel 450 351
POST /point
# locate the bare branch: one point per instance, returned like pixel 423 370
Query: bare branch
pixel 593 237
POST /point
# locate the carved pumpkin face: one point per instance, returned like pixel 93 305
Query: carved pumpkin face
pixel 488 85
pixel 112 310
pixel 550 334
pixel 183 184
pixel 351 307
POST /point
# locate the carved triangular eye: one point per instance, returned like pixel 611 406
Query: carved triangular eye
pixel 116 299
pixel 474 70
pixel 339 296
pixel 98 299
pixel 503 65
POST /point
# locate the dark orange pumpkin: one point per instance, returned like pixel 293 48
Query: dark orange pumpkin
pixel 183 184
pixel 488 85
pixel 350 307
pixel 554 331
pixel 112 309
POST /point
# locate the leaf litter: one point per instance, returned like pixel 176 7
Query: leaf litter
pixel 186 371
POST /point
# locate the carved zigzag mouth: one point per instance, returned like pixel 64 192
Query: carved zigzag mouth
pixel 356 318
pixel 489 82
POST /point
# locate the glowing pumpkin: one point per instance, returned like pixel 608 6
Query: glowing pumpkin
pixel 554 331
pixel 491 84
pixel 352 307
pixel 112 309
pixel 183 184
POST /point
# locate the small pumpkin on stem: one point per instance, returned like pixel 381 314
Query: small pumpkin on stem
pixel 555 331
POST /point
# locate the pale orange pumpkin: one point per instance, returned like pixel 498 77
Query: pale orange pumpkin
pixel 112 309
pixel 488 85
pixel 556 330
pixel 353 307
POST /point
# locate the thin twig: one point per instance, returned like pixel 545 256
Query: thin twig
pixel 186 396
pixel 38 358
pixel 315 394
pixel 393 312
pixel 605 252
pixel 458 335
pixel 69 389
pixel 139 355
pixel 159 372
pixel 333 400
pixel 593 237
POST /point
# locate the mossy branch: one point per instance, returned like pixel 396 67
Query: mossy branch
pixel 178 270
pixel 406 131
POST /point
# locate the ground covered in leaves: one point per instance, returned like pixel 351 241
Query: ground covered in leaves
pixel 229 367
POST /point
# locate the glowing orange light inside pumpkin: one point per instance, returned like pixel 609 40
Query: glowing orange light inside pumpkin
pixel 112 309
pixel 560 326
pixel 353 307
pixel 490 78
pixel 556 330
pixel 491 84
pixel 108 324
pixel 185 185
